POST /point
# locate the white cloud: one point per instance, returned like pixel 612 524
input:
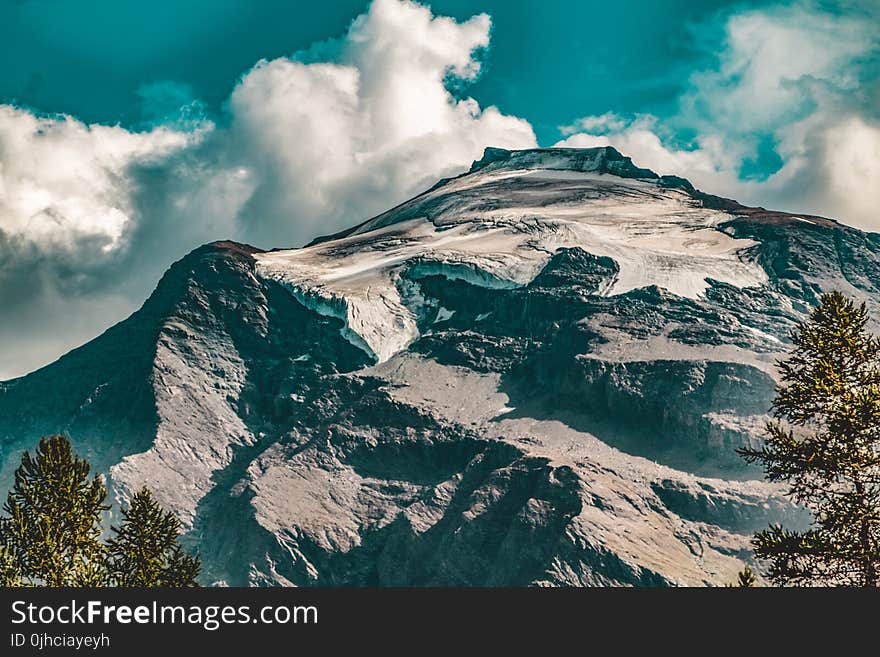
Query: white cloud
pixel 852 166
pixel 63 182
pixel 603 124
pixel 776 64
pixel 311 144
pixel 789 75
pixel 639 139
pixel 337 142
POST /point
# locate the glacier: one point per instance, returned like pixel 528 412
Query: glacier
pixel 657 234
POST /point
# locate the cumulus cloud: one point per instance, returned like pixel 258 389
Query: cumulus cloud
pixel 67 217
pixel 337 142
pixel 794 84
pixel 91 214
pixel 851 161
pixel 603 124
pixel 63 183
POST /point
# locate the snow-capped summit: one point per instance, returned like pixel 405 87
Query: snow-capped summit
pixel 535 373
pixel 499 224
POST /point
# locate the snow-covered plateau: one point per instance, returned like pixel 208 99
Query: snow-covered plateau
pixel 534 373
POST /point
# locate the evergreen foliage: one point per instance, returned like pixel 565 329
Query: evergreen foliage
pixel 53 529
pixel 9 575
pixel 825 444
pixel 746 578
pixel 144 551
pixel 51 533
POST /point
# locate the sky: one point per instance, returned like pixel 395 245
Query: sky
pixel 132 132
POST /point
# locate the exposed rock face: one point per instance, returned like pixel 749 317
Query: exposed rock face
pixel 534 373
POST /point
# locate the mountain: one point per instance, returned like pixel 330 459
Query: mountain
pixel 535 373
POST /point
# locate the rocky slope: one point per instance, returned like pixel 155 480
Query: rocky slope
pixel 534 373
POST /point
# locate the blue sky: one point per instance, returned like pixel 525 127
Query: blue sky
pixel 550 62
pixel 130 133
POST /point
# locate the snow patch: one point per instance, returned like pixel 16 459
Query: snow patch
pixel 762 334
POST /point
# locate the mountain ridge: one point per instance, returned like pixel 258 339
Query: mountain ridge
pixel 602 159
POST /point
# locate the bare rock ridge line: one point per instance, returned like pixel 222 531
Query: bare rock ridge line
pixel 534 373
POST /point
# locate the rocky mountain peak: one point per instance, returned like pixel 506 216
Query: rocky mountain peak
pixel 602 159
pixel 536 373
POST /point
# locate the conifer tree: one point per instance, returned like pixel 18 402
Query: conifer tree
pixel 145 551
pixel 52 533
pixel 746 578
pixel 9 575
pixel 825 444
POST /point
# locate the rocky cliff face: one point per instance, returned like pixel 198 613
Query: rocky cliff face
pixel 534 373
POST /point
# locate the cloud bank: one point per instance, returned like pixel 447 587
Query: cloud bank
pixel 793 88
